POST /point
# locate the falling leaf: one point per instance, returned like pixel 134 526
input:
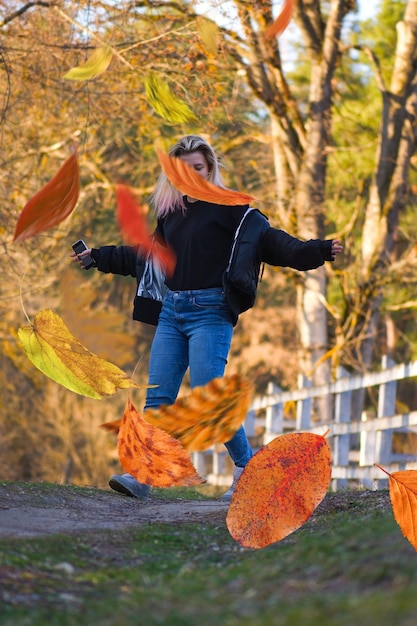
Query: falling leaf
pixel 151 456
pixel 132 222
pixel 52 204
pixel 211 414
pixel 190 183
pixel 209 33
pixel 95 65
pixel 284 18
pixel 55 352
pixel 279 489
pixel 403 494
pixel 165 103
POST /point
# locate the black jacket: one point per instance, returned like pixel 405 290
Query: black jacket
pixel 256 242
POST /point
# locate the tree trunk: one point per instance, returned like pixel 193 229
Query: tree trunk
pixel 388 191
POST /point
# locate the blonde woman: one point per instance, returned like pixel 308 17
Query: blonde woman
pixel 219 250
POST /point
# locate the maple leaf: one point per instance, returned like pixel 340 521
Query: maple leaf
pixel 95 65
pixel 403 495
pixel 165 103
pixel 132 223
pixel 55 352
pixel 52 204
pixel 151 456
pixel 284 18
pixel 279 489
pixel 211 414
pixel 190 183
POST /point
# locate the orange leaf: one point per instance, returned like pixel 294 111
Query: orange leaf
pixel 151 455
pixel 211 414
pixel 403 494
pixel 284 18
pixel 132 222
pixel 52 204
pixel 190 183
pixel 279 489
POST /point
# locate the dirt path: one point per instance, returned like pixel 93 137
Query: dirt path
pixel 35 509
pixel 30 510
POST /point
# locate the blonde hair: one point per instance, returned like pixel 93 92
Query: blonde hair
pixel 165 197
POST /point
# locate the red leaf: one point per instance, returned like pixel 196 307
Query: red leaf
pixel 132 223
pixel 52 204
pixel 284 18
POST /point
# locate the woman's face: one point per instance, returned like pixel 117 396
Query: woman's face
pixel 198 162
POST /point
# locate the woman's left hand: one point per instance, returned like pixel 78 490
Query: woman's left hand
pixel 337 248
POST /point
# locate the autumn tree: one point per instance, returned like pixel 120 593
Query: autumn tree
pixel 114 129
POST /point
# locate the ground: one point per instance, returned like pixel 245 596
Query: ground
pixel 34 509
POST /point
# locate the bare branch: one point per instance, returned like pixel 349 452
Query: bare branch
pixel 26 7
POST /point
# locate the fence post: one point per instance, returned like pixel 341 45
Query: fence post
pixel 303 420
pixel 274 417
pixel 249 423
pixel 341 443
pixel 386 408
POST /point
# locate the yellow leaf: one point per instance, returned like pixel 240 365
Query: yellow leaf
pixel 165 103
pixel 94 66
pixel 55 352
pixel 209 34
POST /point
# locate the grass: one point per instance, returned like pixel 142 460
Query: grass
pixel 343 568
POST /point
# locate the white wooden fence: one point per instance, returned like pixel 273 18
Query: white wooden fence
pixel 356 444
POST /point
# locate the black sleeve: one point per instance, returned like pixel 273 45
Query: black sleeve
pixel 280 248
pixel 116 260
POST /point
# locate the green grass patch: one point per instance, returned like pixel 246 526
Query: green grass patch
pixel 343 568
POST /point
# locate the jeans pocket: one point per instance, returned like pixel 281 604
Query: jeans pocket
pixel 209 301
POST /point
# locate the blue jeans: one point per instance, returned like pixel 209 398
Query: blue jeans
pixel 194 330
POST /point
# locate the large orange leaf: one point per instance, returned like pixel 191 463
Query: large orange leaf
pixel 211 414
pixel 132 222
pixel 284 18
pixel 151 456
pixel 279 489
pixel 403 494
pixel 52 204
pixel 190 183
pixel 54 351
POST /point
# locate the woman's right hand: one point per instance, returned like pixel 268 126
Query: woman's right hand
pixel 77 258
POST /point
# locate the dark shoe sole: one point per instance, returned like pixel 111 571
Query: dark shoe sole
pixel 114 484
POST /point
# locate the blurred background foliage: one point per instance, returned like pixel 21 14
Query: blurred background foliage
pixel 47 432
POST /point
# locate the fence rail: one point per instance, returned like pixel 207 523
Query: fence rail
pixel 356 444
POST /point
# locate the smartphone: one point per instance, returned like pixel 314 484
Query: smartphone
pixel 78 247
